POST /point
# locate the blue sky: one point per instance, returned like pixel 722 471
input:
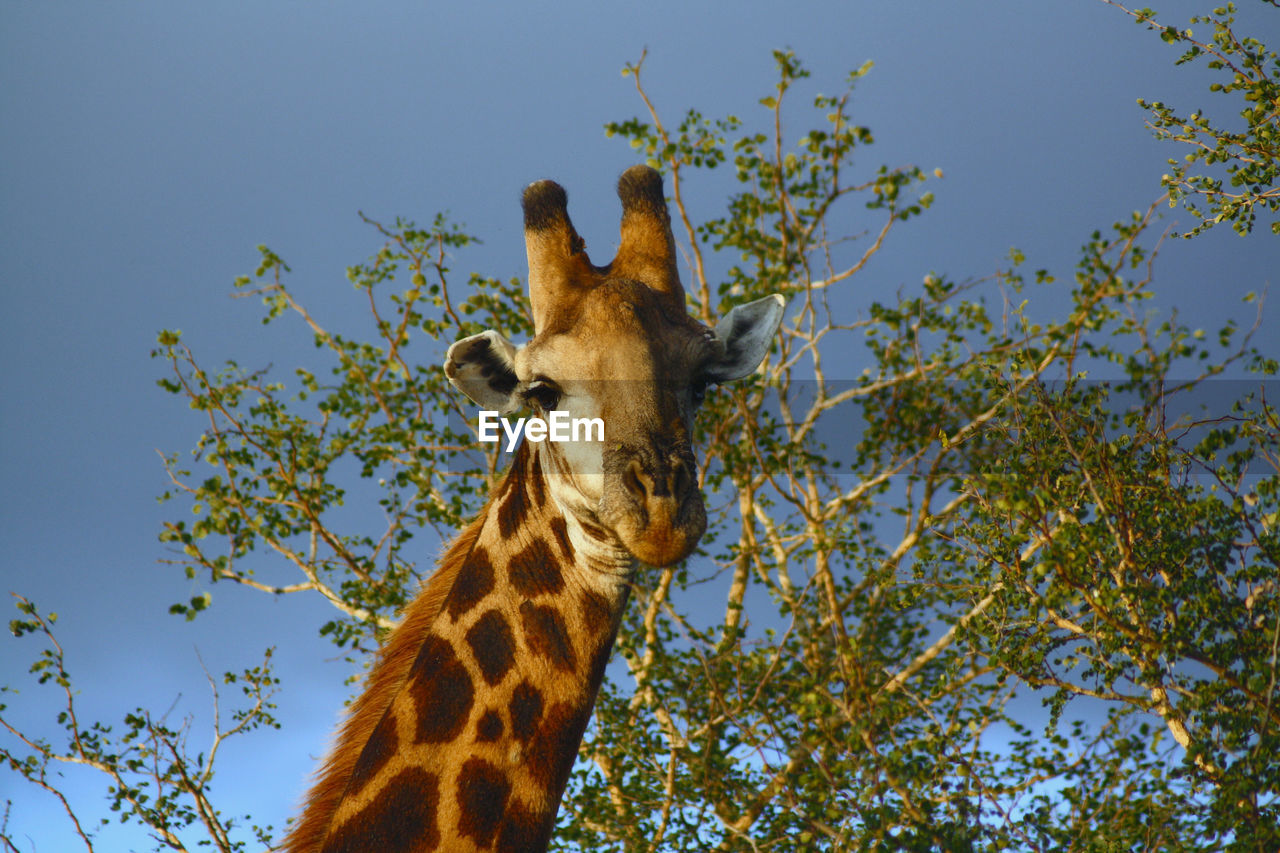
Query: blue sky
pixel 147 149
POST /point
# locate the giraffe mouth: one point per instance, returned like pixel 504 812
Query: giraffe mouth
pixel 656 510
pixel 664 537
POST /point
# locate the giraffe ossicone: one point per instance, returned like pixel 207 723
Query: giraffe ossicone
pixel 468 727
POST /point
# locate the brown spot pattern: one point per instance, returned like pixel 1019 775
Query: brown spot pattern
pixel 560 531
pixel 551 755
pixel 482 799
pixel 599 660
pixel 545 633
pixel 474 582
pixel 524 830
pixel 376 753
pixel 442 690
pixel 493 645
pixel 596 610
pixel 526 711
pixel 597 613
pixel 534 482
pixel 489 728
pixel 402 817
pixel 512 512
pixel 534 571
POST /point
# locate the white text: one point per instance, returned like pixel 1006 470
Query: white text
pixel 557 427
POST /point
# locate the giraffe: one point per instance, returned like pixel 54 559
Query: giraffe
pixel 468 727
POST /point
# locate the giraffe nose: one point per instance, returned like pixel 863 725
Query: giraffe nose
pixel 654 506
pixel 672 480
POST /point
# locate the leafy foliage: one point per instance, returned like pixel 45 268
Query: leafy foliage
pixel 1250 157
pixel 154 779
pixel 278 461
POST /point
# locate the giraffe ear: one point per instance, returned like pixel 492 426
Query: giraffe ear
pixel 483 367
pixel 746 332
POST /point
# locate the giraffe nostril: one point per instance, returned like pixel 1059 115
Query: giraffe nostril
pixel 681 479
pixel 635 480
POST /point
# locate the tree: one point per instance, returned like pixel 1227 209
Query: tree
pixel 909 551
pixel 1249 155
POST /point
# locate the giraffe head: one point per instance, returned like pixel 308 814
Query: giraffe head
pixel 616 343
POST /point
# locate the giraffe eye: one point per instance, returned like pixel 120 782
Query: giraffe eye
pixel 542 394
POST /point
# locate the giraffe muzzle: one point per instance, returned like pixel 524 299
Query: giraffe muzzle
pixel 653 505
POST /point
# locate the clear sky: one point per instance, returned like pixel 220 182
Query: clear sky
pixel 147 148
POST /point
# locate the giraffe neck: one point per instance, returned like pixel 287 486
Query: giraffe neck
pixel 468 729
